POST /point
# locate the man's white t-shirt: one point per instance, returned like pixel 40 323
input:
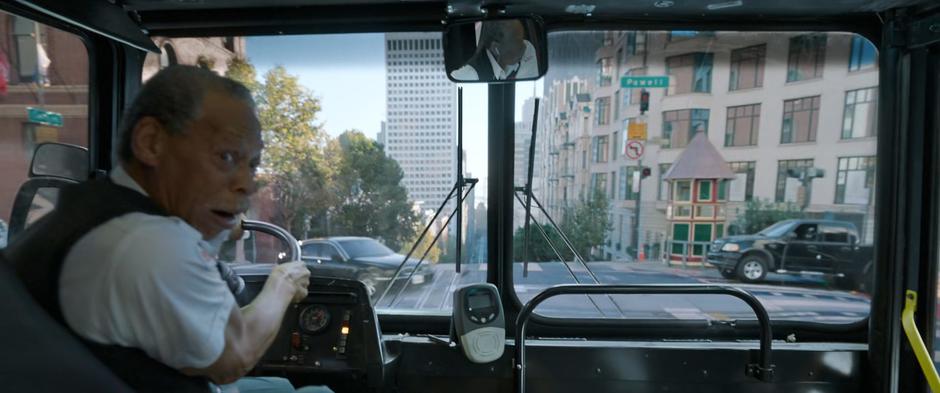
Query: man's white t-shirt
pixel 147 282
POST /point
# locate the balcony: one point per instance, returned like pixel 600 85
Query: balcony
pixel 604 80
pixel 553 152
pixel 567 145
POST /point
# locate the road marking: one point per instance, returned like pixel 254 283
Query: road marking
pixel 449 292
pixel 423 299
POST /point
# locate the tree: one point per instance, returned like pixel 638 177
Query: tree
pixel 588 223
pixel 760 214
pixel 240 69
pixel 434 254
pixel 294 164
pixel 539 248
pixel 372 201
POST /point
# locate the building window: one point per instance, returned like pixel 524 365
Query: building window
pixel 860 118
pixel 742 125
pixel 680 233
pixel 704 190
pixel 679 127
pixel 600 149
pixel 613 184
pixel 683 191
pixel 747 67
pixel 800 119
pixel 722 191
pixel 603 111
pixel 855 180
pixel 788 188
pixel 599 183
pixel 702 236
pixel 615 147
pixel 742 187
pixel 605 71
pixel 617 105
pixel 636 43
pixel 689 73
pixel 626 183
pixel 663 184
pixel 863 55
pixel 807 56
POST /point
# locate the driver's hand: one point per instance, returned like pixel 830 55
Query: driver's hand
pixel 295 275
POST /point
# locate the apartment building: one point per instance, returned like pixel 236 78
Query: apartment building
pixel 770 102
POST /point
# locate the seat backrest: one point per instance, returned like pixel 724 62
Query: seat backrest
pixel 53 167
pixel 36 197
pixel 39 355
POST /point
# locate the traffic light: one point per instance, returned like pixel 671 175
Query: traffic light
pixel 644 101
pixel 645 172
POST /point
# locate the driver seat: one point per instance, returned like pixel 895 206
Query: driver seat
pixel 39 354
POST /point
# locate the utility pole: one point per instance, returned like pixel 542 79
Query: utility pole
pixel 638 178
pixel 640 174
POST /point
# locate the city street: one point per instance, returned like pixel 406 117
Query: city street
pixel 785 297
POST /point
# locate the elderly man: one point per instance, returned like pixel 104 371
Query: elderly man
pixel 502 53
pixel 126 262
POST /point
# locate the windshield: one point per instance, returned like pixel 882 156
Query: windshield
pixel 650 145
pixel 777 230
pixel 364 248
pixel 360 141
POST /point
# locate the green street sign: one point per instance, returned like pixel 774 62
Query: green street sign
pixel 40 116
pixel 631 82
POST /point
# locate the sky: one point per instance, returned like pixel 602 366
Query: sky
pixel 347 73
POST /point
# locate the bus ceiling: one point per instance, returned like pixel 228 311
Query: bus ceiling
pixel 131 21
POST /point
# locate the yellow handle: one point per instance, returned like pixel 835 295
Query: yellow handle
pixel 913 336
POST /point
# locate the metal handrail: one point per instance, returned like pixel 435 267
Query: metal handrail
pixel 763 370
pixel 917 343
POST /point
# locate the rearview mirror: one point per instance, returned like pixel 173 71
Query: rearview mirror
pixel 495 50
pixel 60 160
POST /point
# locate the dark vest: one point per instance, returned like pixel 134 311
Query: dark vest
pixel 484 68
pixel 37 255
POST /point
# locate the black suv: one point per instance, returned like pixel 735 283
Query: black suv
pixel 820 247
pixel 363 259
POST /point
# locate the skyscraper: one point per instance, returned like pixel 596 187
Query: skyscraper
pixel 421 112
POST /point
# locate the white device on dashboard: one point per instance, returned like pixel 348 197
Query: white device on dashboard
pixel 478 321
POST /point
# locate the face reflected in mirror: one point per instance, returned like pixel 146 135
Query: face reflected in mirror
pixel 504 41
pixel 494 50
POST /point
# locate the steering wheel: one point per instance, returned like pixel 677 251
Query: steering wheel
pixel 235 283
pixel 288 240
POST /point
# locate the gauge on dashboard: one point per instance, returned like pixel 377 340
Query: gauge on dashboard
pixel 314 319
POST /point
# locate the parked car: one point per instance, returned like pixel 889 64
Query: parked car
pixel 820 247
pixel 363 259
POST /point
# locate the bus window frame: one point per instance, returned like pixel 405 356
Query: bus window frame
pixel 93 46
pixel 129 61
